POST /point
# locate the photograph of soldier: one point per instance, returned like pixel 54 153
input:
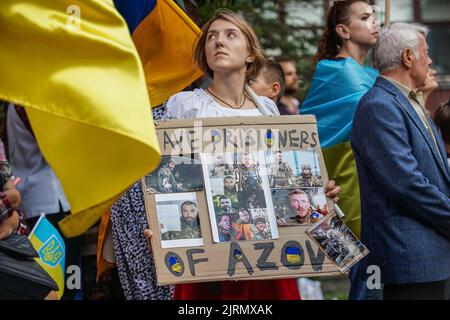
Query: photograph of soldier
pixel 167 177
pixel 223 186
pixel 229 186
pixel 175 174
pixel 293 169
pixel 233 198
pixel 220 167
pixel 307 179
pixel 296 206
pixel 242 225
pixel 280 172
pixel 251 199
pixel 247 173
pixel 338 242
pixel 225 229
pixel 179 220
pixel 224 204
pixel 260 229
pixel 189 222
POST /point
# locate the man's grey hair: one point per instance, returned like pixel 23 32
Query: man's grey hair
pixel 393 40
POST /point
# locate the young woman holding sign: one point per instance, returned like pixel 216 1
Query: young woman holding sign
pixel 229 52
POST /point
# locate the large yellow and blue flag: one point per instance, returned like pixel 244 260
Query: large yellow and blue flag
pixel 74 67
pixel 164 37
pixel 51 248
pixel 334 93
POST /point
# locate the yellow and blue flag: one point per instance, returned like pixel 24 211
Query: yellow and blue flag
pixel 51 248
pixel 164 37
pixel 335 91
pixel 293 255
pixel 74 67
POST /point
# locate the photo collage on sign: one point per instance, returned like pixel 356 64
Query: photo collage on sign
pixel 297 187
pixel 238 195
pixel 249 194
pixel 175 182
pixel 338 242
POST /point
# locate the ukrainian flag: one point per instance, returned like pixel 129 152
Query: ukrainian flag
pixel 293 255
pixel 164 37
pixel 335 91
pixel 47 241
pixel 74 67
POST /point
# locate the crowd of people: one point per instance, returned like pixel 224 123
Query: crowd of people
pixel 387 156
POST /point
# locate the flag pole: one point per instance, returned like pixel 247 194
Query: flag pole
pixel 387 16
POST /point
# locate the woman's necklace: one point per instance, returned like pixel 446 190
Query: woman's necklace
pixel 232 107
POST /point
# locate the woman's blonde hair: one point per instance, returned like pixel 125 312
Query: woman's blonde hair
pixel 254 48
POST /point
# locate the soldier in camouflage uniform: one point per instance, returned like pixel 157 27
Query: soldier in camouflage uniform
pixel 220 168
pixel 280 172
pixel 167 181
pixel 190 224
pixel 225 205
pixel 307 179
pixel 259 229
pixel 247 173
pixel 302 209
pixel 229 186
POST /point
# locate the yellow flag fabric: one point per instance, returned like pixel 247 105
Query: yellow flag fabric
pixel 341 166
pixel 165 40
pixel 73 66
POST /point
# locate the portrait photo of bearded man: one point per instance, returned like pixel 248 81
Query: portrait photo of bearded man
pixel 301 209
pixel 189 222
pixel 307 179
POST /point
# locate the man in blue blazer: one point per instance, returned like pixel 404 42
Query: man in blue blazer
pixel 403 173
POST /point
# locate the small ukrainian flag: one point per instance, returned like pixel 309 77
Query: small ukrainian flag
pixel 293 255
pixel 175 265
pixel 237 254
pixel 269 138
pixel 215 136
pixel 51 248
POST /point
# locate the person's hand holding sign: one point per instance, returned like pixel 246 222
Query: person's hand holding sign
pixel 148 234
pixel 332 190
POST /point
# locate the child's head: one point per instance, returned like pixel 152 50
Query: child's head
pixel 269 82
pixel 442 120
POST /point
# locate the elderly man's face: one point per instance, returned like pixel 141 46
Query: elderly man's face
pixel 420 66
pixel 189 212
pixel 300 203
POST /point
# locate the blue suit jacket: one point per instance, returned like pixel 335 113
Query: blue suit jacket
pixel 405 187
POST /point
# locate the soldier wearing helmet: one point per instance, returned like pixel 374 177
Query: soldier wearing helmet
pixel 307 179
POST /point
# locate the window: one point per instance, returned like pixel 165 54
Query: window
pixel 435 10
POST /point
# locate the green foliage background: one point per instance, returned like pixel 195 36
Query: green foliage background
pixel 276 32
